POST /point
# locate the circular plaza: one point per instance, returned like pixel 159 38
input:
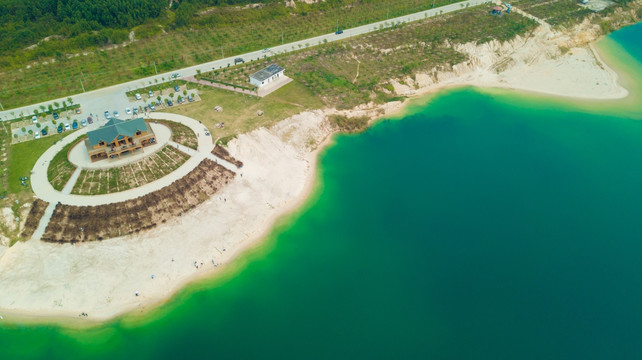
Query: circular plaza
pixel 163 154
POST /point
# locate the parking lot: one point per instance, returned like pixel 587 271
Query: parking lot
pixel 46 126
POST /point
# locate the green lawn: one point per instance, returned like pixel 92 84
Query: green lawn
pixel 240 111
pixel 23 157
pixel 60 169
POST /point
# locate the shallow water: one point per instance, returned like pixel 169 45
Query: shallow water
pixel 482 224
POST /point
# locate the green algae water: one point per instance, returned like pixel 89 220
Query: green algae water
pixel 481 225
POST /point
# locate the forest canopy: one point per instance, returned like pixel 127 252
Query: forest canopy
pixel 95 22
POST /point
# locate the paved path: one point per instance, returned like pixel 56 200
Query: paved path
pixel 43 189
pixel 274 86
pixel 546 25
pixel 44 221
pixel 94 101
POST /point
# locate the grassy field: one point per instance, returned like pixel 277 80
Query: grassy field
pixel 555 12
pixel 151 168
pixel 222 30
pixel 23 157
pixel 240 111
pixel 354 71
pixel 60 169
pixel 181 134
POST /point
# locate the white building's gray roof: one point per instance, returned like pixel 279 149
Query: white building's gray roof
pixel 266 73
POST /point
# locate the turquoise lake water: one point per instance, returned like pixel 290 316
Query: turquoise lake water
pixel 483 224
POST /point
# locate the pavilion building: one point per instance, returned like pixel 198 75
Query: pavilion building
pixel 119 137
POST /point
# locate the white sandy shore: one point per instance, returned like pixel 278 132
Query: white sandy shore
pixel 39 280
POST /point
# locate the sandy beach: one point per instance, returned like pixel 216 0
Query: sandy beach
pixel 50 282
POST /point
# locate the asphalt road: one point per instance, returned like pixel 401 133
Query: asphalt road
pixel 113 97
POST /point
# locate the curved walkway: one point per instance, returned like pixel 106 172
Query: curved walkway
pixel 45 191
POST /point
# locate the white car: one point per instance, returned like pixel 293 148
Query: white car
pixel 67 127
pixel 138 96
pixel 266 50
pixel 34 119
pixel 37 136
pixel 128 111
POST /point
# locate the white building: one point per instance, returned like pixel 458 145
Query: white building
pixel 266 76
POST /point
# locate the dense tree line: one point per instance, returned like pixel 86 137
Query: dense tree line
pixel 90 22
pixel 71 26
pixel 25 22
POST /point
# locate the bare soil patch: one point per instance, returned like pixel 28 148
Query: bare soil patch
pixel 33 218
pixel 225 155
pixel 89 223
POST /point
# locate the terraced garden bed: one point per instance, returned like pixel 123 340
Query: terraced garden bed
pixel 33 218
pixel 89 223
pixel 151 168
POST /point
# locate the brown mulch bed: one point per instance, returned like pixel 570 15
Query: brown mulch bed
pixel 225 155
pixel 33 218
pixel 89 223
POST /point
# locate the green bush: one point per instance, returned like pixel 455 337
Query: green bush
pixel 350 124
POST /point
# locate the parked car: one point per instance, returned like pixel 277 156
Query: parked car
pixel 34 119
pixel 55 115
pixel 37 136
pixel 60 129
pixel 83 122
pixel 67 127
pixel 90 120
pixel 176 75
pixel 77 110
pixel 128 111
pixel 44 132
pixel 74 125
pixel 266 50
pixel 238 61
pixel 116 114
pixel 176 88
pixel 135 111
pixel 107 116
pixel 339 32
pixel 170 103
pixel 190 98
pixel 151 94
pixel 138 96
pixel 151 107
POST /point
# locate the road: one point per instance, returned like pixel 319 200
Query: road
pixel 113 97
